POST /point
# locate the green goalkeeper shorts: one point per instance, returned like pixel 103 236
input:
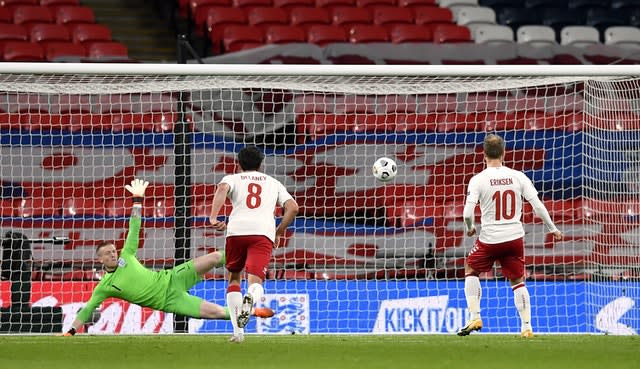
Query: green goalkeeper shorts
pixel 179 301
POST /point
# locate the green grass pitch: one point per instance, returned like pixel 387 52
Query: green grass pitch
pixel 320 351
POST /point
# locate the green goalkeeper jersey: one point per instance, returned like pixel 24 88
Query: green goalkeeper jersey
pixel 130 281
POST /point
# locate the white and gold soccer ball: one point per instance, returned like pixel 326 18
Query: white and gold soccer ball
pixel 385 169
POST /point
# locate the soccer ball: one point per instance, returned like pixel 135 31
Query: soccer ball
pixel 385 169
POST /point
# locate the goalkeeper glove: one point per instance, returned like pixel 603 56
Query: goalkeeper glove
pixel 137 188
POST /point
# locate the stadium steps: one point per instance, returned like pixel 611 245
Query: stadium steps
pixel 136 24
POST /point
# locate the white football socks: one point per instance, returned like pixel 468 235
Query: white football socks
pixel 256 291
pixel 523 304
pixel 473 293
pixel 234 302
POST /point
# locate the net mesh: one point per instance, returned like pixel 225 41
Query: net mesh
pixel 363 256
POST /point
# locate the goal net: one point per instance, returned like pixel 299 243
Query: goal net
pixel 363 256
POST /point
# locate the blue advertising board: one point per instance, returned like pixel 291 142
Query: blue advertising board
pixel 419 307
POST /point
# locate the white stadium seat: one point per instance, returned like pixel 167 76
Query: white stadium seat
pixel 536 35
pixel 474 15
pixel 450 3
pixel 493 34
pixel 622 36
pixel 579 36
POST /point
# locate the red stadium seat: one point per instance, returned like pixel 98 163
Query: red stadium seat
pixel 159 207
pixel 37 207
pixel 74 14
pixel 199 11
pixel 83 33
pixel 324 35
pixel 348 17
pixel 433 16
pixel 417 3
pixel 64 50
pixel 59 2
pixel 29 15
pixel 22 51
pixel 307 17
pixel 361 34
pixel 375 3
pixel 266 17
pixel 45 33
pixel 82 206
pixel 251 3
pixel 218 19
pixel 445 33
pixel 403 33
pixel 238 38
pixel 13 32
pixel 292 4
pixel 12 4
pixel 6 15
pixel 335 3
pixel 284 34
pixel 315 126
pixel 106 50
pixel 389 17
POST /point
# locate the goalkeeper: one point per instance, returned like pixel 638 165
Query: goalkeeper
pixel 164 290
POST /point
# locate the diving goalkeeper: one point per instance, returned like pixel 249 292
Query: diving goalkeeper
pixel 164 290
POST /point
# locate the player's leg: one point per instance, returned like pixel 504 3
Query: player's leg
pixel 258 255
pixel 236 255
pixel 478 261
pixel 205 263
pixel 513 269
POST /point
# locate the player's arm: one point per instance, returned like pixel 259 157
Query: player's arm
pixel 97 297
pixel 219 198
pixel 290 211
pixel 468 214
pixel 137 189
pixel 531 195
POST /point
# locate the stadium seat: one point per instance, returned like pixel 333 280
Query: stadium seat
pixel 432 16
pixel 38 207
pixel 493 34
pixel 218 19
pixel 51 3
pixel 375 3
pixel 475 15
pixel 404 33
pixel 22 51
pixel 622 36
pixel 14 32
pixel 451 3
pixel 411 4
pixel 355 104
pixel 199 10
pixel 74 14
pixel 29 15
pixel 391 16
pixel 517 17
pixel 251 3
pixel 625 4
pixel 540 4
pixel 12 4
pixel 558 18
pixel 285 34
pixel 6 15
pixel 579 36
pixel 586 4
pixel 605 18
pixel 361 33
pixel 349 17
pixel 536 35
pixel 293 4
pixel 307 17
pixel 238 38
pixel 83 33
pixel 82 206
pixel 324 35
pixel 64 51
pixel 330 4
pixel 45 33
pixel 266 17
pixel 107 50
pixel 450 33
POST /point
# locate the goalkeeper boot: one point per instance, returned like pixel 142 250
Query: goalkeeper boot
pixel 245 312
pixel 527 333
pixel 472 325
pixel 262 312
pixel 237 338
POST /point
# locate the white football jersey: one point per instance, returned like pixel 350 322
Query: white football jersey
pixel 500 191
pixel 254 196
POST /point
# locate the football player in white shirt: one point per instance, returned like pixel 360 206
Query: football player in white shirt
pixel 499 191
pixel 251 231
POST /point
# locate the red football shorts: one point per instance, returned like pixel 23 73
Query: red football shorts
pixel 509 254
pixel 248 252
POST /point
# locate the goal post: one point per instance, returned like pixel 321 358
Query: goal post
pixel 363 256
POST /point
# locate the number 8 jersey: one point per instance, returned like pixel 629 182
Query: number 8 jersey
pixel 254 196
pixel 500 190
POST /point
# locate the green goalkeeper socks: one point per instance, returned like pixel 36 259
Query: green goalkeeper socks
pixel 227 315
pixel 223 259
